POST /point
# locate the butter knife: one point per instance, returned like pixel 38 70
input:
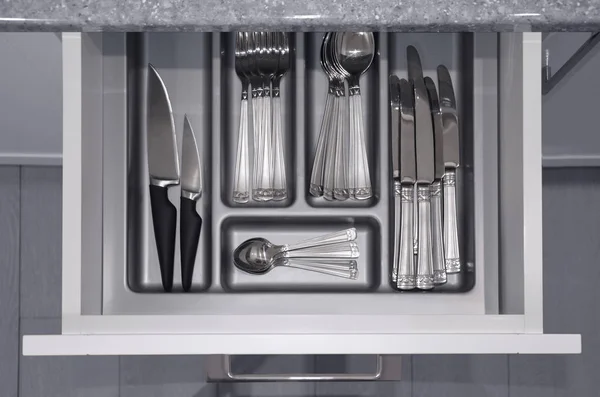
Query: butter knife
pixel 404 175
pixel 425 170
pixel 451 163
pixel 439 266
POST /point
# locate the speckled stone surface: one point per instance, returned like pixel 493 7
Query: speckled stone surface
pixel 204 15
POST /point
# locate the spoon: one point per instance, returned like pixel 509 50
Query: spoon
pixel 252 257
pixel 354 53
pixel 259 255
pixel 334 174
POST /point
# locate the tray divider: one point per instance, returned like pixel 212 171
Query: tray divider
pixel 298 131
pixel 382 181
pixel 218 94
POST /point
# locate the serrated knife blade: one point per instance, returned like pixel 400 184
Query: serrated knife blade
pixel 394 85
pixel 449 118
pixel 408 172
pixel 423 125
pixel 425 170
pixel 438 128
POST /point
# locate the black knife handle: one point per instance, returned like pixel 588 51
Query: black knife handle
pixel 190 224
pixel 164 218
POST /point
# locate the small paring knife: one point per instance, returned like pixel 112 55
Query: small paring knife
pixel 190 222
pixel 163 167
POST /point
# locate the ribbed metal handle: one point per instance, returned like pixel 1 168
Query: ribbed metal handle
pixel 451 244
pixel 329 172
pixel 241 184
pixel 279 177
pixel 439 265
pixel 332 238
pixel 340 181
pixel 361 187
pixel 343 269
pixel 316 177
pixel 406 267
pixel 425 254
pixel 346 250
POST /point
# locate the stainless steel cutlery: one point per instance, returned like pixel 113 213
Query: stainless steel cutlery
pixel 261 61
pixel 163 168
pixel 191 191
pixel 439 266
pixel 341 167
pixel 334 254
pixel 451 162
pixel 425 154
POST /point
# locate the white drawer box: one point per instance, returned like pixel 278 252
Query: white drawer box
pixel 105 312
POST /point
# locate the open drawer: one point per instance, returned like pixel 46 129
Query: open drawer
pixel 112 302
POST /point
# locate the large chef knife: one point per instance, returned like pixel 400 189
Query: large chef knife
pixel 425 170
pixel 451 162
pixel 404 174
pixel 190 221
pixel 163 166
pixel 439 266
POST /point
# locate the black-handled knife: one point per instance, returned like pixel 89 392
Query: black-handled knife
pixel 191 191
pixel 163 167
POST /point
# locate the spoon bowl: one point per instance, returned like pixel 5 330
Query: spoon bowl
pixel 354 52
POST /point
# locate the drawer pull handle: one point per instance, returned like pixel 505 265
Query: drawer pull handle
pixel 219 370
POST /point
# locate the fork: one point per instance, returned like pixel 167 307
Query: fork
pixel 267 60
pixel 279 177
pixel 241 184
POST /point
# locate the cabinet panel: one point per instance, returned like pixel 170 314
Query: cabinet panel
pixel 31 80
pixel 500 91
pixel 9 282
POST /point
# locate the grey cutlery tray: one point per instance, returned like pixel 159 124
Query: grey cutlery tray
pixel 198 71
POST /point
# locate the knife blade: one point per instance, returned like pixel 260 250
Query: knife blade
pixel 395 124
pixel 404 259
pixel 425 170
pixel 191 191
pixel 163 167
pixel 408 165
pixel 451 161
pixel 449 117
pixel 423 125
pixel 439 267
pixel 438 128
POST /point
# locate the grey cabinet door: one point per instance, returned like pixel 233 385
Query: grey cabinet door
pixel 30 98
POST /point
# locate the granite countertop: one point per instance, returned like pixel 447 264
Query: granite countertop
pixel 204 15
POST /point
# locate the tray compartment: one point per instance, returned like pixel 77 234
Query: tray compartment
pixel 218 286
pixel 455 51
pixel 184 63
pixel 316 91
pixel 231 89
pixel 236 230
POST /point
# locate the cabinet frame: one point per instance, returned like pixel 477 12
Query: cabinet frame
pixel 98 334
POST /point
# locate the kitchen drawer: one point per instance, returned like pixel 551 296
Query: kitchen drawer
pixel 106 310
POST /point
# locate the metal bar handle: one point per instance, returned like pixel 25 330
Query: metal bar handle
pixel 219 370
